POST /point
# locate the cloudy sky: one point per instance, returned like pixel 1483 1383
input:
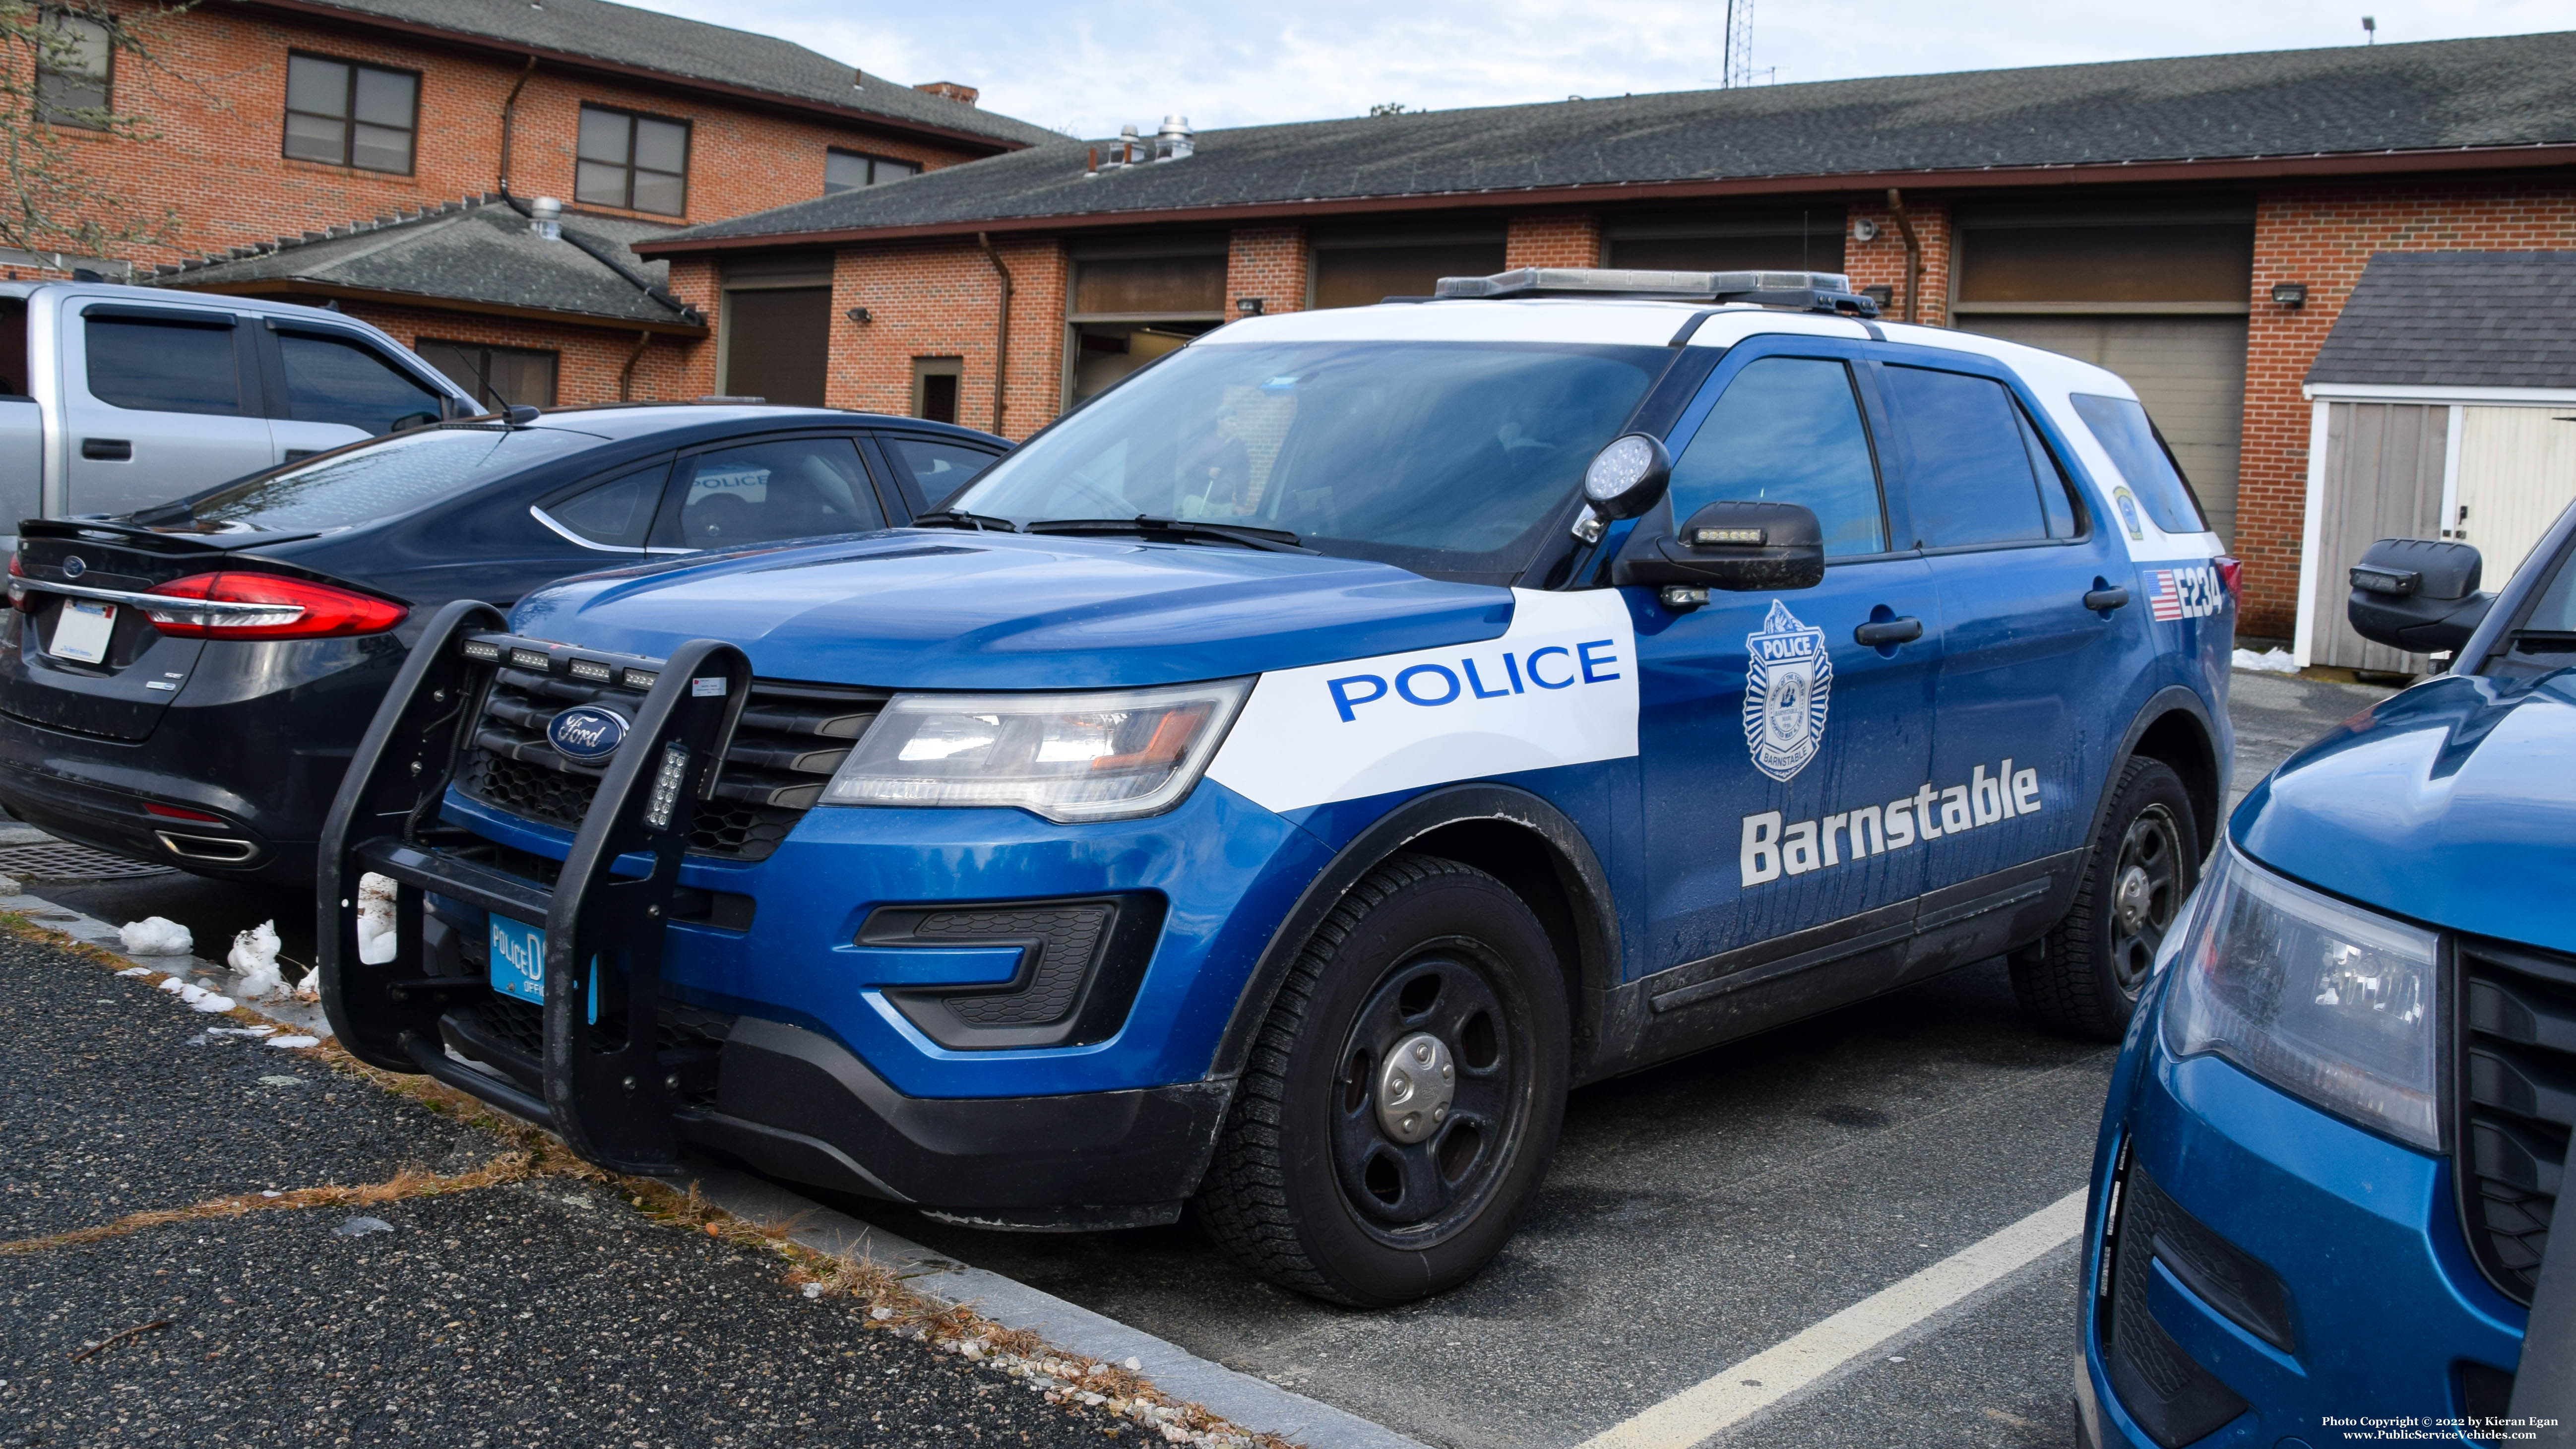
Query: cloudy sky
pixel 1090 67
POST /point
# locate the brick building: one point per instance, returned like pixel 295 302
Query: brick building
pixel 2194 224
pixel 288 135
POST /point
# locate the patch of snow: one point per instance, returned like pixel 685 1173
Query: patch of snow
pixel 211 1004
pixel 290 1043
pixel 176 986
pixel 241 1030
pixel 2270 661
pixel 156 936
pixel 254 955
pixel 310 988
pixel 135 971
pixel 376 895
pixel 360 1227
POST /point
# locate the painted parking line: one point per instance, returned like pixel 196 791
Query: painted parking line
pixel 1743 1389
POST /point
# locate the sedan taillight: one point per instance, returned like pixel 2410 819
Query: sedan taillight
pixel 2231 572
pixel 17 591
pixel 267 606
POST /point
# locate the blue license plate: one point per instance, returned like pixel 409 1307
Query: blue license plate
pixel 519 960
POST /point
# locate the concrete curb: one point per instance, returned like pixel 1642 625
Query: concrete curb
pixel 1249 1402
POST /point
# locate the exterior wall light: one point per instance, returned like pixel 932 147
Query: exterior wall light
pixel 2292 295
pixel 1248 306
pixel 1864 230
pixel 860 316
pixel 1879 292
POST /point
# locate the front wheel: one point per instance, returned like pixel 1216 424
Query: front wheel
pixel 2084 977
pixel 1404 1095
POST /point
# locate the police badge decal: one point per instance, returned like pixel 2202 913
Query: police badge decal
pixel 1788 684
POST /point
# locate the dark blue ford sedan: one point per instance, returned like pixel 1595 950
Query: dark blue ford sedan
pixel 186 683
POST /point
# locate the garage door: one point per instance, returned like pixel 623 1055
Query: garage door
pixel 2189 371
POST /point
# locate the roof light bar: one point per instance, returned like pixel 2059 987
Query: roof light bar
pixel 1803 291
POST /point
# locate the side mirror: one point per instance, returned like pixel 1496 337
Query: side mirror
pixel 2417 594
pixel 1738 547
pixel 1625 478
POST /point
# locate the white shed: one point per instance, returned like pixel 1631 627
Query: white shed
pixel 2443 406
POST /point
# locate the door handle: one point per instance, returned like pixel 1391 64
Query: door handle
pixel 1879 633
pixel 108 450
pixel 2103 601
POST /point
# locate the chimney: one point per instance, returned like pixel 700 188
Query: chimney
pixel 1175 141
pixel 951 91
pixel 545 218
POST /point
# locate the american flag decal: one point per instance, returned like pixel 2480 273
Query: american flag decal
pixel 2183 593
pixel 2166 603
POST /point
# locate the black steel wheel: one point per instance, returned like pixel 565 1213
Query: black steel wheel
pixel 1404 1095
pixel 2085 976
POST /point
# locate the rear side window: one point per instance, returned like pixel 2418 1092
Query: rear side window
pixel 1972 481
pixel 615 514
pixel 2120 424
pixel 929 469
pixel 381 479
pixel 13 347
pixel 329 380
pixel 763 492
pixel 163 367
pixel 1788 430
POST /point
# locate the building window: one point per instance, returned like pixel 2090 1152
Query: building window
pixel 345 114
pixel 848 171
pixel 499 377
pixel 73 67
pixel 934 387
pixel 640 163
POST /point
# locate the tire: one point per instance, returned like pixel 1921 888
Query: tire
pixel 2084 976
pixel 1314 1184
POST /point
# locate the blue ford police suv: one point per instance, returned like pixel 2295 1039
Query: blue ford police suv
pixel 2337 1133
pixel 1282 779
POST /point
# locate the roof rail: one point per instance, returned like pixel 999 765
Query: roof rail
pixel 1803 291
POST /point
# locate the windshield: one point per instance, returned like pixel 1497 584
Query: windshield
pixel 379 479
pixel 1446 458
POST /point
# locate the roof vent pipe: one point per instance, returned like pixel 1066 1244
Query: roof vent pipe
pixel 1127 144
pixel 1175 141
pixel 545 218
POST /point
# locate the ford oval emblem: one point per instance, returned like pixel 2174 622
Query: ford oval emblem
pixel 73 567
pixel 587 734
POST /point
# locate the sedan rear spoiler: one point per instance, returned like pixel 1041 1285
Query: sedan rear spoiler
pixel 138 536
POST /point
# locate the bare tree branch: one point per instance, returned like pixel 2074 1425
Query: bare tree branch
pixel 60 68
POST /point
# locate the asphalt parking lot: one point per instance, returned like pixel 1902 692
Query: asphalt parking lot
pixel 1697 1215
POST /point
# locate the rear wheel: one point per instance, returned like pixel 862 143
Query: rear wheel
pixel 2084 977
pixel 1404 1095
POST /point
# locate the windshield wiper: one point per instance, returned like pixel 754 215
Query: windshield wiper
pixel 960 518
pixel 1267 540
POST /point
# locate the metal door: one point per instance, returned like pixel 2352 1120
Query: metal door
pixel 158 403
pixel 2383 479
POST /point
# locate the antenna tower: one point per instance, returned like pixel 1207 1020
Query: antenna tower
pixel 1739 43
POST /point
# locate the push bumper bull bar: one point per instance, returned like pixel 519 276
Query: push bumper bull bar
pixel 609 1089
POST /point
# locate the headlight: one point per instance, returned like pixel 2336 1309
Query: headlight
pixel 1103 756
pixel 2322 999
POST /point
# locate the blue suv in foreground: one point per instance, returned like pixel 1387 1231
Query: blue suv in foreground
pixel 1274 785
pixel 2339 1129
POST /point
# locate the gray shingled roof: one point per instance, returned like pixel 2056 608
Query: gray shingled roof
pixel 625 36
pixel 475 250
pixel 2421 96
pixel 2456 319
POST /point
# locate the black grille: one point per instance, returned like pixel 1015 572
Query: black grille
pixel 790 739
pixel 2517 1103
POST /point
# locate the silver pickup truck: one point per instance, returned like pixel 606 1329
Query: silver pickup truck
pixel 114 398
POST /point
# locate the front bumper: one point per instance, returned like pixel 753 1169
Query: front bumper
pixel 2382 1310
